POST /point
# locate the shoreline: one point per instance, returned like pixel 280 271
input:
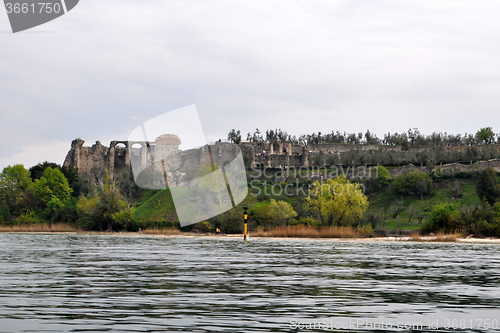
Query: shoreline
pixel 422 239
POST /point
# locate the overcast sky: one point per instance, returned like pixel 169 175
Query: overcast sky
pixel 101 70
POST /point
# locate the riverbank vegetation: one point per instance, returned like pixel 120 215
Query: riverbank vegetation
pixel 51 198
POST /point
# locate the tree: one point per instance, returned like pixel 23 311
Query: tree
pixel 383 177
pixel 337 201
pixel 414 182
pixel 396 208
pixel 281 212
pixel 53 184
pixel 487 186
pixel 412 211
pixel 71 175
pixel 455 189
pixel 53 193
pixel 444 217
pixel 234 136
pixel 104 205
pixel 36 171
pixel 485 135
pixel 15 178
pixel 16 189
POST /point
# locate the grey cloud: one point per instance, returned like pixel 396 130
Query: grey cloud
pixel 300 66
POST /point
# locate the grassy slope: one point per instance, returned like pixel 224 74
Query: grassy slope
pixel 160 206
pixel 382 200
pixel 157 207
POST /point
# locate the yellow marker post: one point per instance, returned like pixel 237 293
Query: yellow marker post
pixel 245 229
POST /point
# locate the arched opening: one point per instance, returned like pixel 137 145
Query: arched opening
pixel 120 154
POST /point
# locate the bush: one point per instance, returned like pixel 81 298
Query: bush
pixel 444 217
pixel 436 174
pixel 366 231
pixel 308 221
pixel 415 182
pixel 483 228
pixel 372 217
pixel 383 177
pixel 487 186
pixel 463 174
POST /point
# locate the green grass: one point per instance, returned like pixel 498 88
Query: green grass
pixel 158 207
pixel 442 193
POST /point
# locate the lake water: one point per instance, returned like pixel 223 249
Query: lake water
pixel 117 283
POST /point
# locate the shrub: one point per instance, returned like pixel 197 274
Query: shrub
pixel 483 228
pixel 383 177
pixel 487 186
pixel 444 217
pixel 373 217
pixel 412 183
pixel 366 231
pixel 436 174
pixel 281 212
pixel 463 174
pixel 307 221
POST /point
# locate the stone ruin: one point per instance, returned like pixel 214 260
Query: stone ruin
pixel 155 162
pixel 177 163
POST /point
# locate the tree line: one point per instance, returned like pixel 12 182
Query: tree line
pixel 412 137
pixel 49 193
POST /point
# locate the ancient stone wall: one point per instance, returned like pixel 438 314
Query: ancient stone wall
pixel 121 153
pixel 449 169
pixel 86 158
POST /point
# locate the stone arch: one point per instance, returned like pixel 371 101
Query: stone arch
pixel 119 155
pixel 142 153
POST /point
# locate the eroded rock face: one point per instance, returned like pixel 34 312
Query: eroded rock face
pixel 164 157
pixel 86 158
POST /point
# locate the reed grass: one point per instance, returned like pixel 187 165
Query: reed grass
pixel 165 231
pixel 56 227
pixel 440 237
pixel 302 231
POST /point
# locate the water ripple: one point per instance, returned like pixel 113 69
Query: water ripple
pixel 77 283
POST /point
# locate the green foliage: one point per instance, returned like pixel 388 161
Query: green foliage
pixel 415 182
pixel 281 212
pixel 123 218
pixel 15 177
pixel 373 217
pixel 103 209
pixel 308 221
pixel 205 226
pixel 260 212
pixel 383 176
pixel 234 136
pixel 230 221
pixel 28 218
pixel 4 212
pixel 337 201
pixel 413 211
pixel 71 175
pixel 159 207
pixel 366 231
pixel 36 171
pixel 52 184
pixel 485 135
pixel 16 189
pixel 487 186
pixel 444 217
pixel 436 174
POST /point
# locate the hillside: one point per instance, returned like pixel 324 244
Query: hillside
pixel 158 207
pixel 388 210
